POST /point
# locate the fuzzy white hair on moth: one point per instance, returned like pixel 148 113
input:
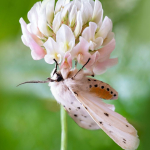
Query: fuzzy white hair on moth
pixel 81 97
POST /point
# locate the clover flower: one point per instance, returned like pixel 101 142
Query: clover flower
pixel 74 29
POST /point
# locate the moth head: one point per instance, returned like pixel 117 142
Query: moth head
pixel 56 76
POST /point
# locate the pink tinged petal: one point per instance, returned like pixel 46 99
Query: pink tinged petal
pixel 107 49
pixel 40 52
pixel 33 29
pixel 78 27
pixel 94 58
pixel 37 51
pixel 99 42
pixel 80 51
pixel 72 16
pixel 56 22
pixel 33 18
pixel 101 67
pixel 105 28
pixel 24 40
pixel 92 45
pixel 42 23
pixel 65 38
pixel 109 37
pixel 97 12
pixel 89 32
pixel 86 12
pixel 67 61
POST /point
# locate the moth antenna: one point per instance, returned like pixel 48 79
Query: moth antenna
pixel 48 80
pixel 56 65
pixel 82 67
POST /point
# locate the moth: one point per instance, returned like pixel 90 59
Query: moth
pixel 82 97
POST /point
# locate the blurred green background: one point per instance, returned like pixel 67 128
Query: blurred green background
pixel 29 116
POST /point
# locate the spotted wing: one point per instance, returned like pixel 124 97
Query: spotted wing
pixel 112 123
pixel 101 89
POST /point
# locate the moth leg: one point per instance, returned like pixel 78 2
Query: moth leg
pixel 56 66
pixel 82 67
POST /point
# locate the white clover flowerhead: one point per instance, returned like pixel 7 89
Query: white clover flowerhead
pixel 70 30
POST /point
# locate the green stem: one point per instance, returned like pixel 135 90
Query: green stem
pixel 63 129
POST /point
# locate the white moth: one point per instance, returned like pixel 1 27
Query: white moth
pixel 81 98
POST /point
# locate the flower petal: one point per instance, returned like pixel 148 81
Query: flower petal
pixel 33 13
pixel 50 11
pixel 107 49
pixel 50 46
pixel 56 22
pixel 53 51
pixel 99 42
pixel 89 32
pixel 60 4
pixel 109 37
pixel 65 38
pixel 86 12
pixel 97 12
pixel 101 67
pixel 67 61
pixel 64 13
pixel 29 40
pixel 105 28
pixel 80 51
pixel 42 23
pixel 78 27
pixel 72 16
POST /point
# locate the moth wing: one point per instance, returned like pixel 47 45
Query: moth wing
pixel 112 123
pixel 102 89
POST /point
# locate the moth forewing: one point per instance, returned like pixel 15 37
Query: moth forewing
pixel 115 126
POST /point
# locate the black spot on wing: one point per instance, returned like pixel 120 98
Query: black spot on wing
pixel 102 87
pixel 107 89
pixel 101 122
pixel 90 86
pixel 75 115
pixel 89 80
pixel 95 85
pixel 78 107
pixel 106 114
pixel 76 93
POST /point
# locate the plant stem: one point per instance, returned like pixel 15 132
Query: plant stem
pixel 63 129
